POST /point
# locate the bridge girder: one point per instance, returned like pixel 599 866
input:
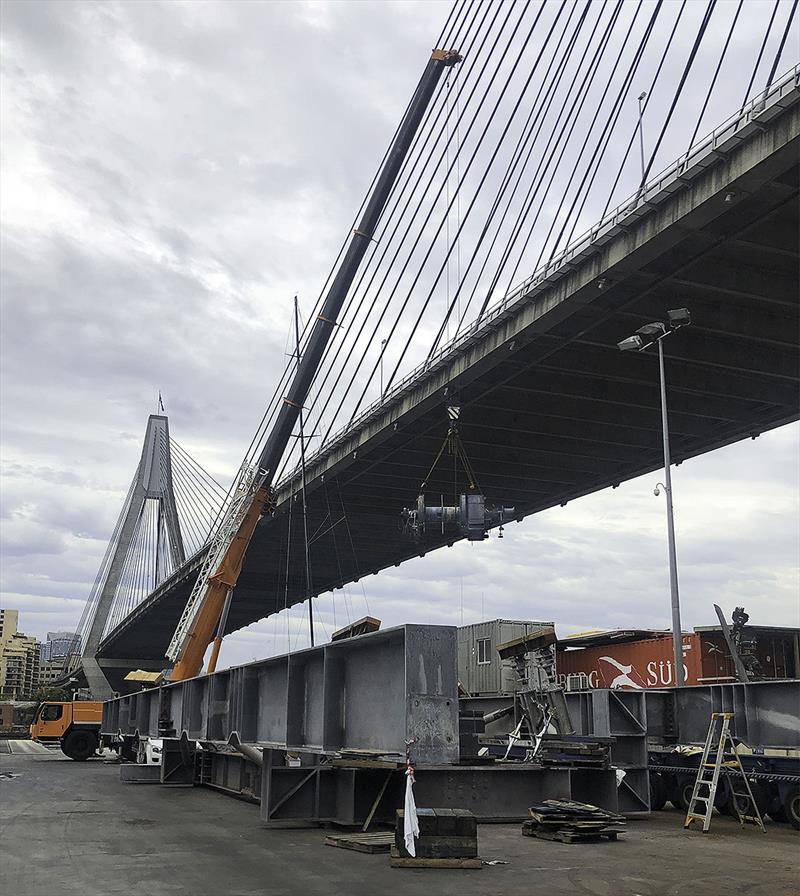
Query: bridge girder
pixel 551 409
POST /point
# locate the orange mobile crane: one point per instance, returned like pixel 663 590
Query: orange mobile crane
pixel 205 616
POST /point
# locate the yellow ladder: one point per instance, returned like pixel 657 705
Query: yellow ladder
pixel 719 733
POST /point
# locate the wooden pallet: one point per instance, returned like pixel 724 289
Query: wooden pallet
pixel 398 861
pixel 573 836
pixel 378 842
pixel 572 833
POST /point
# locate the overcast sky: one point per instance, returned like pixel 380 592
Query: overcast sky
pixel 172 174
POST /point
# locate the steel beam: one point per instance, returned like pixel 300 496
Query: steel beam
pixel 371 693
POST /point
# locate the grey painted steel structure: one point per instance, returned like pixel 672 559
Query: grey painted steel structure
pixel 153 480
pixel 345 794
pixel 551 410
pixel 374 692
pixel 766 713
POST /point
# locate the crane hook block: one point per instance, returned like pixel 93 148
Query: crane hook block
pixel 448 57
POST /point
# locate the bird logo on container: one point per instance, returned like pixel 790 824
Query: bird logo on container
pixel 623 678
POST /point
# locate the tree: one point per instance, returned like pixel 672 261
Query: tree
pixel 50 694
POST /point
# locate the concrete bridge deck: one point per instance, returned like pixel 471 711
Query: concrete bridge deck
pixel 551 410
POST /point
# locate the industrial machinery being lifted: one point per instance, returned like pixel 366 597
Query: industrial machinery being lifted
pixel 471 517
pixel 204 617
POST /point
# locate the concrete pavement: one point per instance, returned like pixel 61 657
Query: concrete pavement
pixel 73 828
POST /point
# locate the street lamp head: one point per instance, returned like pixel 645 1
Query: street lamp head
pixel 652 331
pixel 643 95
pixel 679 317
pixel 631 344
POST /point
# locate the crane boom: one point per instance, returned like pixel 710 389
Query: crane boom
pixel 223 563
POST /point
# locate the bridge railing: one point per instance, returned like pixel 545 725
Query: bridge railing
pixel 702 155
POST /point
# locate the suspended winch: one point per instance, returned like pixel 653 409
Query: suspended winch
pixel 471 517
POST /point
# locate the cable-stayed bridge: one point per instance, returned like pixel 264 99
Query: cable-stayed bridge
pixel 528 138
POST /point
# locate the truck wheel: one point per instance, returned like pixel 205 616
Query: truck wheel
pixel 79 745
pixel 682 793
pixel 791 806
pixel 743 802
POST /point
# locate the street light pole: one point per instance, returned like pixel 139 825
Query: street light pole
pixel 657 332
pixel 383 348
pixel 642 97
pixel 677 640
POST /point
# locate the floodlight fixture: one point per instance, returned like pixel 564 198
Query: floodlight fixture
pixel 679 317
pixel 631 344
pixel 652 331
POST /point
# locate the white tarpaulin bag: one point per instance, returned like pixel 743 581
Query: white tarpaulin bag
pixel 410 823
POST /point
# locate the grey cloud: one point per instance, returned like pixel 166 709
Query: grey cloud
pixel 183 170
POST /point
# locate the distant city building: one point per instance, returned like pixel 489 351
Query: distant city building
pixel 19 659
pixel 50 671
pixel 59 645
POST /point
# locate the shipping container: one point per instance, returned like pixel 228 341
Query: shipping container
pixel 623 660
pixel 480 669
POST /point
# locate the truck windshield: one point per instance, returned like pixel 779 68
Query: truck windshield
pixel 49 712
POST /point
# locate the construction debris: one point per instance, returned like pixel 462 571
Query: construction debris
pixel 380 841
pixel 571 822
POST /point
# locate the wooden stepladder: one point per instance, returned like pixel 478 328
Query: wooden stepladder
pixel 705 786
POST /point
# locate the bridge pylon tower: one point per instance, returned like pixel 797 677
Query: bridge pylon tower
pixel 151 483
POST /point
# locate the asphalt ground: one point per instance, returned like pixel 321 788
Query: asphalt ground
pixel 72 828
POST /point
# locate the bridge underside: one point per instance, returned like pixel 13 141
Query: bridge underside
pixel 551 410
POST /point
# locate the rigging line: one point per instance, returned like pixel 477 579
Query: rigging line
pixel 386 244
pixel 321 534
pixel 203 508
pixel 760 53
pixel 357 569
pixel 333 350
pixel 274 402
pixel 531 135
pixel 447 190
pixel 191 522
pixel 192 463
pixel 94 591
pixel 716 75
pixel 438 230
pixel 130 566
pixel 650 91
pixel 622 91
pixel 545 160
pixel 333 531
pixel 458 194
pixel 567 127
pixel 288 565
pixel 335 548
pixel 259 435
pixel 188 481
pixel 487 170
pixel 303 487
pixel 597 167
pixel 681 83
pixel 192 527
pixel 416 210
pixel 776 61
